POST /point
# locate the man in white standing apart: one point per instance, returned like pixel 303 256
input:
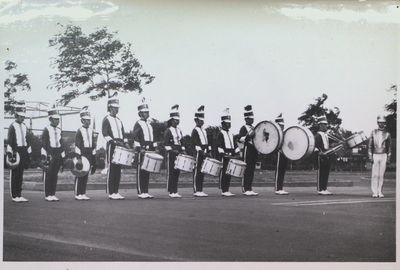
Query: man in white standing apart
pixel 379 152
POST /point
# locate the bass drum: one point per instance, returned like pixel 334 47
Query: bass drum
pixel 268 137
pixel 298 142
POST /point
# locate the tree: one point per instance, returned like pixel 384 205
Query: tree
pixel 391 108
pixel 36 144
pixel 97 64
pixel 158 129
pixel 212 135
pixel 309 116
pixel 14 83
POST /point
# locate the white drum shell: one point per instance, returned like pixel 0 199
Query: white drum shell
pixel 85 167
pixel 123 156
pixel 152 162
pixel 356 139
pixel 211 166
pixel 298 142
pixel 236 168
pixel 13 165
pixel 275 137
pixel 185 163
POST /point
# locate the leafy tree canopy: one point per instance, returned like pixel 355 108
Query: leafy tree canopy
pixel 13 83
pixel 391 108
pixel 95 64
pixel 316 109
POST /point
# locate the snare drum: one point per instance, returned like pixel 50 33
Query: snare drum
pixel 236 168
pixel 185 163
pixel 152 162
pixel 356 139
pixel 268 137
pixel 123 156
pixel 211 166
pixel 298 142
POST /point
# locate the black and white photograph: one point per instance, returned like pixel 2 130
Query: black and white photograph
pixel 247 133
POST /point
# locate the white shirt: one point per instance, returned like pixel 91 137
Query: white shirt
pixel 147 130
pixel 202 135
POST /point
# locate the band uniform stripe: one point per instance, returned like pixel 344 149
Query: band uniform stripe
pixel 167 169
pixel 109 168
pixel 244 157
pixel 11 183
pixel 318 172
pixel 195 172
pixel 138 175
pixel 44 182
pixel 277 171
pixel 76 186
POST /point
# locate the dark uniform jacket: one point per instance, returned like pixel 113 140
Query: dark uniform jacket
pixel 199 140
pixel 113 129
pixel 143 136
pixel 85 142
pixel 18 141
pixel 52 141
pixel 321 141
pixel 244 130
pixel 226 144
pixel 173 139
pixel 18 137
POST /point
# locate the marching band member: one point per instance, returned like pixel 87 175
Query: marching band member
pixel 18 142
pixel 200 143
pixel 324 162
pixel 143 141
pixel 52 154
pixel 113 132
pixel 84 146
pixel 281 163
pixel 379 152
pixel 173 146
pixel 250 154
pixel 227 148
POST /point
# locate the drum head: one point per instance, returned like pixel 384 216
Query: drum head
pixel 296 142
pixel 154 156
pixel 213 161
pixel 268 137
pixel 363 136
pixel 187 156
pixel 238 162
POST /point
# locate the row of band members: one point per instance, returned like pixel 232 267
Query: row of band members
pixel 113 132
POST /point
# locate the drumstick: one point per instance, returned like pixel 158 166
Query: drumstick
pixel 334 138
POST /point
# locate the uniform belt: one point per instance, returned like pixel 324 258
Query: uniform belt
pixel 380 151
pixel 21 147
pixel 55 150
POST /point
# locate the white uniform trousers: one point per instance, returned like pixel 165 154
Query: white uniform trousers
pixel 378 170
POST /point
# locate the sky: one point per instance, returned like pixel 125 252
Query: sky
pixel 275 55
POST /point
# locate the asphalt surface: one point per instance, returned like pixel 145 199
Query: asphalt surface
pixel 349 226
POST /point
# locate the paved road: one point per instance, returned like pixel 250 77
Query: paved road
pixel 349 226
